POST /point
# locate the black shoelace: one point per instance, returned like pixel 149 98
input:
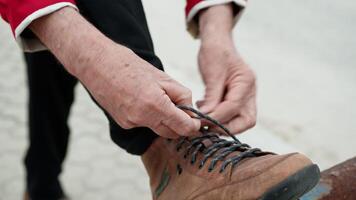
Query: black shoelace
pixel 219 149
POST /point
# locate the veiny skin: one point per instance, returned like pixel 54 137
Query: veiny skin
pixel 230 95
pixel 132 91
pixel 135 93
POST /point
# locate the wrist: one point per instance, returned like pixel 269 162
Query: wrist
pixel 106 59
pixel 217 41
pixel 77 44
pixel 216 22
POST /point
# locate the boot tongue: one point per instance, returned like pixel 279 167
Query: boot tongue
pixel 207 143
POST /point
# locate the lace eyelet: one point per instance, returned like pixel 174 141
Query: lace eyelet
pixel 220 148
pixel 179 169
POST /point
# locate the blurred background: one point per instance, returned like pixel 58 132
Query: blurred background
pixel 303 52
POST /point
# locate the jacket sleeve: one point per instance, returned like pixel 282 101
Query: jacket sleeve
pixel 193 7
pixel 20 13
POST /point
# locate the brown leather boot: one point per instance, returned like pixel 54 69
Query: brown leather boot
pixel 211 168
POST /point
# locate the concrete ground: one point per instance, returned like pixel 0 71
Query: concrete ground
pixel 304 53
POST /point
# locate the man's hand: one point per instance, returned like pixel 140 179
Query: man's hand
pixel 137 94
pixel 230 94
pixel 131 90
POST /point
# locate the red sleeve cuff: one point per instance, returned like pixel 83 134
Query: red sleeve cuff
pixel 195 6
pixel 20 14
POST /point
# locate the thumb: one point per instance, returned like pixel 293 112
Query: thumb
pixel 177 93
pixel 214 93
pixel 176 119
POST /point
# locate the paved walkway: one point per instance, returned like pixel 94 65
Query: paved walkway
pixel 304 55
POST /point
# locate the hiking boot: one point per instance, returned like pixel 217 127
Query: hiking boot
pixel 208 167
pixel 211 168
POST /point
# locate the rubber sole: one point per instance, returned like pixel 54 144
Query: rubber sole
pixel 294 186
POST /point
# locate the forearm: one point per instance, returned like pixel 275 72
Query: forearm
pixel 216 23
pixel 230 95
pixel 75 42
pixel 131 90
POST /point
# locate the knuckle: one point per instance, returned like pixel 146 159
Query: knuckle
pixel 187 94
pixel 155 129
pixel 165 77
pixel 126 125
pixel 147 100
pixel 163 104
pixel 150 104
pixel 250 122
pixel 122 122
pixel 134 119
pixel 250 76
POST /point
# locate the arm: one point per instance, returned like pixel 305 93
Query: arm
pixel 195 7
pixel 230 94
pixel 115 76
pixel 20 14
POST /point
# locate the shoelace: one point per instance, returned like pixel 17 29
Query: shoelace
pixel 219 149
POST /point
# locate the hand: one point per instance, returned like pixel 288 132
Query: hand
pixel 131 90
pixel 230 95
pixel 137 94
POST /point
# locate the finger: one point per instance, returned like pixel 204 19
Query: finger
pixel 165 132
pixel 179 121
pixel 177 93
pixel 241 124
pixel 247 117
pixel 125 124
pixel 225 111
pixel 199 103
pixel 214 93
pixel 175 118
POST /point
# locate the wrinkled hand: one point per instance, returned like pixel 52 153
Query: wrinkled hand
pixel 230 95
pixel 230 87
pixel 136 94
pixel 131 90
